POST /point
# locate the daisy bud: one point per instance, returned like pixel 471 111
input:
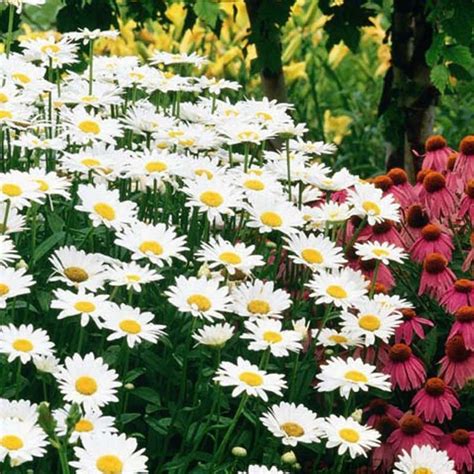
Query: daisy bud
pixel 45 419
pixel 204 271
pixel 129 386
pixel 21 264
pixel 329 352
pixel 297 466
pixel 356 415
pixel 288 458
pixel 239 452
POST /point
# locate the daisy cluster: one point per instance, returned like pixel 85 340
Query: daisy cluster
pixel 165 249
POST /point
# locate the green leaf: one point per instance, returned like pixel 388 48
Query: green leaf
pixel 47 245
pixel 433 54
pixel 208 11
pixel 161 426
pixel 125 418
pixel 460 55
pixel 439 77
pixel 147 394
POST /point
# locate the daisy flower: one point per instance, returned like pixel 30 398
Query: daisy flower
pixel 267 214
pixel 292 423
pixel 78 268
pixel 424 459
pixel 257 469
pixel 48 364
pixel 49 183
pixel 154 167
pixel 214 336
pixel 372 320
pixel 104 206
pixel 247 377
pixel 329 337
pixel 18 188
pixel 330 214
pixel 21 410
pixel 157 243
pixel 109 453
pixel 13 221
pixel 260 299
pixel 132 324
pixel 268 334
pixel 343 287
pixel 13 283
pixel 8 253
pixel 21 441
pixel 349 435
pixel 50 51
pixel 233 257
pixel 199 296
pixel 24 342
pixel 131 275
pixel 350 375
pixel 381 251
pixel 315 251
pixel 88 381
pixel 83 304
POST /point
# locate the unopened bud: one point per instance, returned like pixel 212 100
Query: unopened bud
pixel 129 386
pixel 239 452
pixel 21 264
pixel 356 415
pixel 288 458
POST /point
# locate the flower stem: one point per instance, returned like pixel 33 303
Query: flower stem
pixel 8 43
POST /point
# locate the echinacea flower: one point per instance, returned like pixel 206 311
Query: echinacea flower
pixel 466 206
pixel 457 365
pixel 432 239
pixel 379 408
pixel 413 431
pixel 437 153
pixel 416 218
pixel 436 276
pixel 405 369
pixel 383 456
pixel 464 166
pixel 464 325
pixel 437 198
pixel 459 446
pixel 401 190
pixel 435 401
pixel 424 459
pixel 412 324
pixel 461 293
pixel 383 232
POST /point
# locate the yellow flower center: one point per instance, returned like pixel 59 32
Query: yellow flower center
pixel 369 322
pixel 76 274
pixel 251 378
pixel 11 442
pixel 90 162
pixel 381 252
pixel 105 211
pixel 422 470
pixel 156 166
pixel 84 306
pixel 264 115
pixel 22 345
pixel 202 172
pixel 4 289
pixel 349 435
pixel 175 133
pixel 371 208
pixel 247 135
pixel 90 99
pixel 137 75
pixel 271 219
pixel 292 429
pixel 89 126
pixel 272 337
pixel 230 257
pixel 258 307
pixel 109 464
pixel 130 326
pixel 83 426
pixel 336 291
pixel 3 98
pixel 187 142
pixel 12 190
pixel 211 198
pixel 20 77
pixel 338 339
pixel 355 376
pixel 43 186
pixel 151 246
pixel 133 278
pixel 50 48
pixel 5 114
pixel 201 302
pixel 86 385
pixel 312 256
pixel 254 185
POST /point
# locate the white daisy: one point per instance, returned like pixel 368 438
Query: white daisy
pixel 394 302
pixel 49 183
pixel 15 222
pixel 292 423
pixel 88 381
pixel 268 334
pixel 22 410
pixel 332 337
pixel 13 283
pixel 424 460
pixel 215 335
pixel 329 214
pixel 256 469
pixel 350 375
pixel 18 188
pixel 247 377
pixel 8 253
pixel 47 364
pixel 131 275
pixel 382 251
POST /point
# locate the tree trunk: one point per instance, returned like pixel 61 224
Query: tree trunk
pixel 409 98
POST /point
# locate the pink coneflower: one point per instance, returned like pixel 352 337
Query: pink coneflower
pixel 466 206
pixel 383 182
pixel 379 408
pixel 461 293
pixel 384 275
pixel 383 232
pixel 340 196
pixel 383 456
pixel 460 448
pixel 466 266
pixel 432 239
pixel 464 325
pixel 402 190
pixel 435 401
pixel 464 166
pixel 437 198
pixel 413 431
pixel 420 177
pixel 437 153
pixel 412 324
pixel 415 219
pixel 435 276
pixel 406 370
pixel 457 366
pixel 453 181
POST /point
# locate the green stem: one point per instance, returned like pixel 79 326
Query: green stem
pixel 11 15
pixel 288 167
pixel 91 65
pixel 5 217
pixel 374 278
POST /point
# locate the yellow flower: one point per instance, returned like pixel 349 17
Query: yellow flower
pixel 384 56
pixel 336 127
pixel 376 32
pixel 337 54
pixel 176 13
pixel 295 71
